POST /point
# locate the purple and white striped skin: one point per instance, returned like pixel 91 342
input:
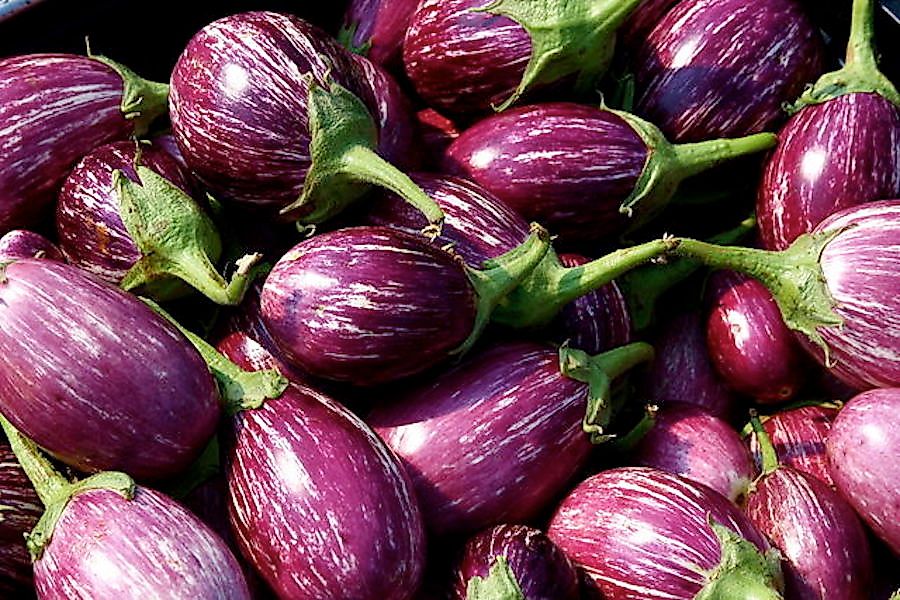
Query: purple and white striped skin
pixel 435 134
pixel 644 533
pixel 377 29
pixel 105 546
pixel 541 569
pixel 317 503
pixel 688 441
pixel 21 243
pixel 750 346
pixel 21 510
pixel 642 21
pixel 723 68
pixel 863 450
pixel 96 378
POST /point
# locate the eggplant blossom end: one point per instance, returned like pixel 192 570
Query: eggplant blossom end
pixel 500 584
pixel 743 573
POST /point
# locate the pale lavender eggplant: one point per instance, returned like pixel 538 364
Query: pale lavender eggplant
pixel 688 441
pixel 317 503
pixel 823 545
pixel 723 68
pixel 105 546
pixel 21 511
pixel 21 243
pixel 96 377
pixel 376 28
pixel 435 133
pixel 798 436
pixel 862 450
pixel 750 346
pixel 541 569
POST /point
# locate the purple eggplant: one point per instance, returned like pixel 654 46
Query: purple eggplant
pixel 55 108
pixel 515 555
pixel 643 20
pixel 289 122
pixel 21 510
pixel 21 243
pixel 317 503
pixel 496 438
pixel 862 450
pixel 583 172
pixel 723 68
pixel 752 349
pixel 645 533
pixel 95 377
pixel 376 28
pixel 435 133
pixel 841 149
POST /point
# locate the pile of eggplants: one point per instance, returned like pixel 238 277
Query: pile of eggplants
pixel 456 300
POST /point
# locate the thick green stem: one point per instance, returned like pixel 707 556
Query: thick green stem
pixel 624 444
pixel 766 447
pixel 860 47
pixel 143 101
pixel 692 159
pixel 47 481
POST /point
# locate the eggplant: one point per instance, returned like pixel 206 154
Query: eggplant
pixel 376 28
pixel 519 556
pixel 862 453
pixel 643 20
pixel 285 122
pixel 21 510
pixel 496 438
pixel 55 109
pixel 317 503
pixel 752 349
pixel 435 133
pixel 644 533
pixel 585 173
pixel 723 68
pixel 841 149
pixel 96 378
pixel 21 243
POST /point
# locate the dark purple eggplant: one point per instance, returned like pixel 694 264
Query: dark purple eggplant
pixel 285 122
pixel 376 28
pixel 55 108
pixel 752 349
pixel 645 533
pixel 317 503
pixel 723 68
pixel 841 149
pixel 21 243
pixel 519 556
pixel 435 133
pixel 21 510
pixel 585 173
pixel 496 438
pixel 97 379
pixel 862 449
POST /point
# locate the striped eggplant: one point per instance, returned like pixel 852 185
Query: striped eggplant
pixel 270 111
pixel 435 133
pixel 21 510
pixel 643 533
pixel 752 349
pixel 837 288
pixel 95 377
pixel 841 149
pixel 21 243
pixel 723 68
pixel 518 557
pixel 54 109
pixel 642 21
pixel 862 449
pixel 499 436
pixel 317 503
pixel 469 56
pixel 586 173
pixel 376 28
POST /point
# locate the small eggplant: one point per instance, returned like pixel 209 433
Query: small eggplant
pixel 21 243
pixel 55 108
pixel 376 28
pixel 21 511
pixel 723 68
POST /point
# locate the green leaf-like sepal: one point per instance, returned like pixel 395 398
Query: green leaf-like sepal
pixel 143 101
pixel 500 584
pixel 345 37
pixel 743 573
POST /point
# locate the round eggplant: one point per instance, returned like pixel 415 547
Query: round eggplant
pixel 21 243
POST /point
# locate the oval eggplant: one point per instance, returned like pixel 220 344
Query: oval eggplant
pixel 376 28
pixel 21 243
pixel 95 377
pixel 21 510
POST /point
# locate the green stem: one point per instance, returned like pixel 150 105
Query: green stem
pixel 47 481
pixel 766 447
pixel 860 46
pixel 143 101
pixel 692 159
pixel 626 443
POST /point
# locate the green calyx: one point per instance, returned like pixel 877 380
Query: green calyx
pixel 343 139
pixel 500 584
pixel 345 37
pixel 766 447
pixel 143 101
pixel 743 573
pixel 177 240
pixel 576 37
pixel 860 72
pixel 599 372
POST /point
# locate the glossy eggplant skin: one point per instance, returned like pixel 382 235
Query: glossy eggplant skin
pixel 541 569
pixel 379 26
pixel 566 166
pixel 824 548
pixel 21 243
pixel 830 156
pixel 862 450
pixel 317 503
pixel 97 378
pixel 367 305
pixel 491 441
pixel 21 511
pixel 723 68
pixel 641 22
pixel 105 546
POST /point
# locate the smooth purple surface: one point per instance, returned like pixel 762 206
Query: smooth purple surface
pixel 54 109
pixel 640 23
pixel 541 569
pixel 566 166
pixel 435 133
pixel 863 449
pixel 722 68
pixel 95 377
pixel 829 157
pixel 636 526
pixel 491 441
pixel 21 243
pixel 21 511
pixel 105 546
pixel 381 26
pixel 367 305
